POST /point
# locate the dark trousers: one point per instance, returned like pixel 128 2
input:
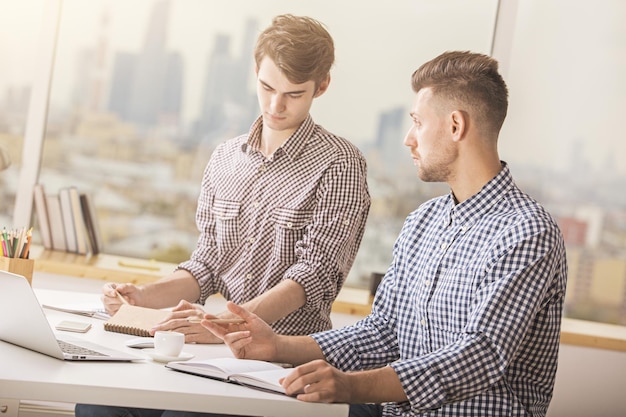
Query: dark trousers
pixel 87 410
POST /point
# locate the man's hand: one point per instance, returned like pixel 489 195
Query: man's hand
pixel 318 381
pixel 253 339
pixel 185 318
pixel 112 291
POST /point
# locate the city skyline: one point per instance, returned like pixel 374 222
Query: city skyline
pixel 193 24
pixel 229 49
pixel 560 153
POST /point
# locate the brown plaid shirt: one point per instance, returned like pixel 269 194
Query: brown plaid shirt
pixel 298 214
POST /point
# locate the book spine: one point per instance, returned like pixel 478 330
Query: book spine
pixel 79 222
pixel 57 229
pixel 43 220
pixel 91 223
pixel 68 219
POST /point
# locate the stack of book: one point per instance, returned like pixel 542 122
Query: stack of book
pixel 67 221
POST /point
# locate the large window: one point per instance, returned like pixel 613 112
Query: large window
pixel 19 27
pixel 567 81
pixel 143 91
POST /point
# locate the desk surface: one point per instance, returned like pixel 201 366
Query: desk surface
pixel 27 375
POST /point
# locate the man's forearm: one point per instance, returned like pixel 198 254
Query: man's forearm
pixel 297 350
pixel 278 302
pixel 376 386
pixel 169 290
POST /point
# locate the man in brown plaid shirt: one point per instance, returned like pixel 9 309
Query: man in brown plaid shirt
pixel 282 208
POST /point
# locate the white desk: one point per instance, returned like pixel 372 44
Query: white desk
pixel 27 375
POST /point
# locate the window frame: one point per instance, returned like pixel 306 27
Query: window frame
pixel 37 116
pixel 32 146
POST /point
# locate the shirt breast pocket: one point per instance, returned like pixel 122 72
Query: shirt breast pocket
pixel 289 228
pixel 451 303
pixel 226 214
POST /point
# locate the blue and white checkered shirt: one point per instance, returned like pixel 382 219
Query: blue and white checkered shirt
pixel 469 312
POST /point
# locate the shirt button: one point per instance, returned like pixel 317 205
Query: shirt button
pixel 251 240
pixel 346 222
pixel 289 225
pixel 423 322
pixel 248 277
pixel 262 168
pixel 463 229
pixel 427 283
pixel 256 204
pixel 444 246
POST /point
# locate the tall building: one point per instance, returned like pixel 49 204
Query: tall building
pixel 227 103
pixel 91 72
pixel 146 87
pixel 389 138
pixel 122 78
pixel 219 85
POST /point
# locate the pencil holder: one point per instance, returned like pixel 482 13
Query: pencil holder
pixel 18 266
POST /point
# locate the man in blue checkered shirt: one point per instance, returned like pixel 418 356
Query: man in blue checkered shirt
pixel 466 321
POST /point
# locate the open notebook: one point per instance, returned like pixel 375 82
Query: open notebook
pixel 25 324
pixel 249 372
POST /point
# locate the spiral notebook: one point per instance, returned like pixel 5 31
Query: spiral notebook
pixel 135 320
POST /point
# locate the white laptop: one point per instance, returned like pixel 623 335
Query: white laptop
pixel 24 323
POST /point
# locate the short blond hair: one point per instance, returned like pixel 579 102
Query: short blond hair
pixel 300 46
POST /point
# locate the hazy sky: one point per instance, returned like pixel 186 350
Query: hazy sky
pixel 567 83
pixel 567 73
pixel 378 44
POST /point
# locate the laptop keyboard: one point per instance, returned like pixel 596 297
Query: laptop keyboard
pixel 77 350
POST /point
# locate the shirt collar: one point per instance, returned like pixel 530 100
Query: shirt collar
pixel 292 147
pixel 471 210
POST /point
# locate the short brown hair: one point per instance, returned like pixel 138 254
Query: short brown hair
pixel 468 79
pixel 300 46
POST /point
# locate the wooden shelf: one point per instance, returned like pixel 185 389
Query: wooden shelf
pixel 594 335
pixel 101 266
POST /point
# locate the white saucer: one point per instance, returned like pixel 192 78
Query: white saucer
pixel 184 356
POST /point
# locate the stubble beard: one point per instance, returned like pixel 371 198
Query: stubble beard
pixel 438 169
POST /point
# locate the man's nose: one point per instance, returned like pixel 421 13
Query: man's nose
pixel 277 103
pixel 409 139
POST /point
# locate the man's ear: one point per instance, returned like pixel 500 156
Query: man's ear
pixel 458 125
pixel 321 89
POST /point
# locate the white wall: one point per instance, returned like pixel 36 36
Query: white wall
pixel 589 383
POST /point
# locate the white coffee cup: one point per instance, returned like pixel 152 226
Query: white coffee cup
pixel 168 343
